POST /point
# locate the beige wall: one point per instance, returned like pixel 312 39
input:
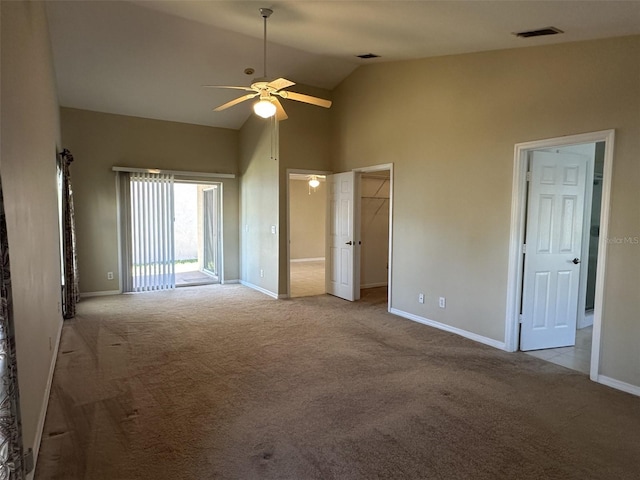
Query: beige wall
pixel 259 205
pixel 30 139
pixel 452 140
pixel 307 214
pixel 100 141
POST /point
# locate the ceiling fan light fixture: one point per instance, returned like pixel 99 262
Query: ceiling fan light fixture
pixel 314 182
pixel 264 108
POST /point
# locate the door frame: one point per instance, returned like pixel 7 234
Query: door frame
pixel 220 225
pixel 357 211
pixel 517 230
pixel 289 172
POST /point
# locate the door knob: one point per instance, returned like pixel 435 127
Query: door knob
pixel 349 243
pixel 576 261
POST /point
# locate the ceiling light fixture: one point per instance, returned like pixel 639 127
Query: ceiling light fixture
pixel 265 108
pixel 268 105
pixel 314 182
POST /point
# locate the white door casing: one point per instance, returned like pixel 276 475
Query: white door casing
pixel 341 261
pixel 553 248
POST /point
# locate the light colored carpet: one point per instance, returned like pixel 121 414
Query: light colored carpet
pixel 222 382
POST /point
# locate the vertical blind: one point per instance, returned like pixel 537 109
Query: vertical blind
pixel 147 220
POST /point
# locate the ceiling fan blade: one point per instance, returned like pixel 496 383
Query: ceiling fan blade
pixel 280 83
pixel 235 102
pixel 280 113
pixel 248 89
pixel 320 102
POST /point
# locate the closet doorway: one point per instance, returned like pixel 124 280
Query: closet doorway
pixel 375 200
pixel 359 233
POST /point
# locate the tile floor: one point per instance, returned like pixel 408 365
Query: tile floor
pixel 577 357
pixel 307 278
pixel 190 279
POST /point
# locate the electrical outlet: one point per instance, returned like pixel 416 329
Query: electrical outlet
pixel 261 273
pixel 421 298
pixel 109 275
pixel 442 302
pixel 273 229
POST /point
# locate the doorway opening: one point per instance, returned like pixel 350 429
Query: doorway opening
pixel 359 234
pixel 558 249
pixel 374 218
pixel 196 234
pixel 306 200
pixel 170 231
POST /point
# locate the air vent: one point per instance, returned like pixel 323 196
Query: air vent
pixel 539 33
pixel 368 55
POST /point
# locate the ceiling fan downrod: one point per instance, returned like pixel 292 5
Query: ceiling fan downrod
pixel 266 13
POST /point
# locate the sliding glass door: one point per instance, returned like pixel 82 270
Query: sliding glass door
pixel 210 230
pixel 170 231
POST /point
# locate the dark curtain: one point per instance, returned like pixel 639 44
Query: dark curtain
pixel 70 291
pixel 11 460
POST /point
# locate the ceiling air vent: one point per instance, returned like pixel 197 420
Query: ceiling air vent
pixel 539 33
pixel 368 55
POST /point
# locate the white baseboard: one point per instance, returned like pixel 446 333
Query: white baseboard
pixel 586 321
pixel 618 385
pixel 230 282
pixel 374 285
pixel 100 294
pixel 316 259
pixel 259 289
pixel 447 328
pixel 45 401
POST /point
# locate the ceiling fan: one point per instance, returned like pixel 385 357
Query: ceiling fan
pixel 268 104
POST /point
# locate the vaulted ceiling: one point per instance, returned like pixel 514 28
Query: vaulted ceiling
pixel 151 58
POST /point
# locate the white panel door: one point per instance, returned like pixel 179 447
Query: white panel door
pixel 553 248
pixel 341 241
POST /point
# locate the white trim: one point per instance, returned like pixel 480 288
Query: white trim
pixel 448 328
pixel 174 172
pixel 518 217
pixel 230 282
pixel 587 320
pixel 221 232
pixel 605 210
pixel 104 293
pixel 378 168
pixel 45 400
pixel 618 385
pixel 374 285
pixel 118 232
pixel 300 260
pixel 375 168
pixel 260 289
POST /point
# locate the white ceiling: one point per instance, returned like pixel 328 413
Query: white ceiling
pixel 149 58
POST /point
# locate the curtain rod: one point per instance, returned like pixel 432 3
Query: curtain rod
pixel 174 172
